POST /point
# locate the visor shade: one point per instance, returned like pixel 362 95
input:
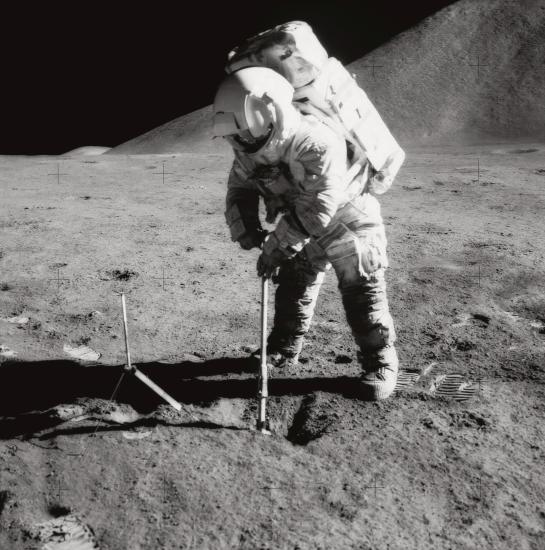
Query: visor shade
pixel 224 124
pixel 244 141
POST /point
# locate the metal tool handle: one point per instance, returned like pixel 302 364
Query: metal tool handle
pixel 128 366
pixel 159 391
pixel 140 375
pixel 263 378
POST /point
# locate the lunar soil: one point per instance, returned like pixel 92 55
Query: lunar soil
pixel 454 460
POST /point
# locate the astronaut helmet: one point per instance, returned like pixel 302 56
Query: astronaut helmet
pixel 250 107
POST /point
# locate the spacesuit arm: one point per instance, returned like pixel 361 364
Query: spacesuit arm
pixel 383 179
pixel 242 202
pixel 323 165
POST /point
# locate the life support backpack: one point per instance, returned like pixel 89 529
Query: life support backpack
pixel 325 89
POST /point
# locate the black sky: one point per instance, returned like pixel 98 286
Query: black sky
pixel 84 73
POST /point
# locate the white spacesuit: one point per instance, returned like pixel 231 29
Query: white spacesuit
pixel 299 166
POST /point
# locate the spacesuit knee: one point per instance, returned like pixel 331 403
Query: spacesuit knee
pixel 356 257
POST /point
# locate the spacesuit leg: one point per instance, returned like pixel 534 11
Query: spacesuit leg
pixel 368 315
pixel 359 261
pixel 299 284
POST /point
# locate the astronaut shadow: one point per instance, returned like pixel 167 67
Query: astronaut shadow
pixel 30 390
pixel 38 385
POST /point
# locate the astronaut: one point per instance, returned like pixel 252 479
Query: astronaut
pixel 324 218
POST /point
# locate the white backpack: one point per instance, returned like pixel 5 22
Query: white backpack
pixel 325 89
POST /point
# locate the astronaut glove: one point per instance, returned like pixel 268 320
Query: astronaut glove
pixel 380 183
pixel 252 239
pixel 271 258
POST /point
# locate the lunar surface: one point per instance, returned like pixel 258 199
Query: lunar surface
pixel 452 469
pixel 91 458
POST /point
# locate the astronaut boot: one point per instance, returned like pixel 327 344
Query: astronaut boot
pixel 379 373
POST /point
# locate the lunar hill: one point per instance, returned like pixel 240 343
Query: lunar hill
pixel 86 151
pixel 472 72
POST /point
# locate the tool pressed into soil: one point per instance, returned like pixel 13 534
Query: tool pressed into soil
pixel 263 374
pixel 140 375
